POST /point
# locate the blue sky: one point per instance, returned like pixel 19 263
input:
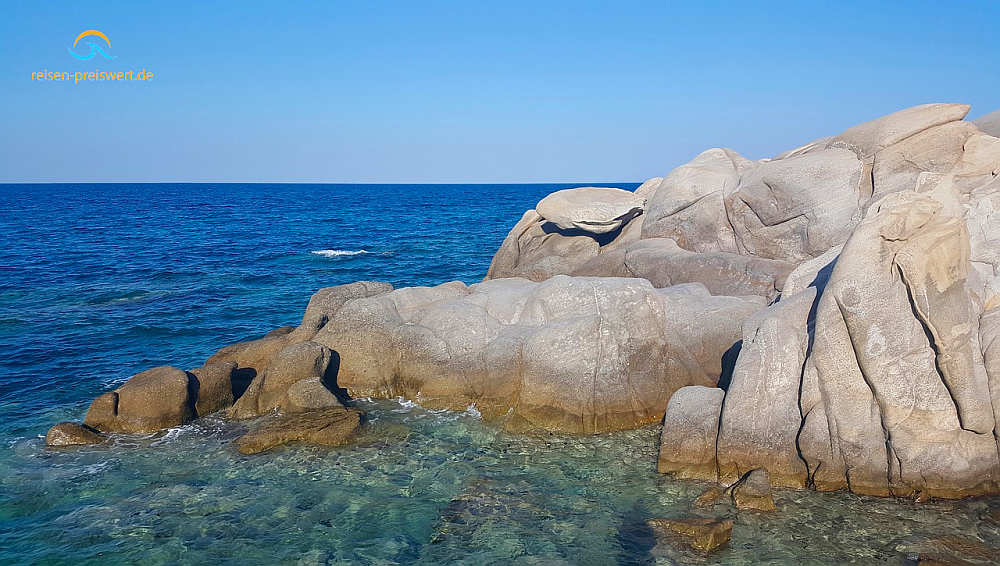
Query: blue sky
pixel 467 92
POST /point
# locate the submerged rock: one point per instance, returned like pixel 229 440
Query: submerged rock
pixel 709 497
pixel 72 434
pixel 753 492
pixel 704 535
pixel 325 427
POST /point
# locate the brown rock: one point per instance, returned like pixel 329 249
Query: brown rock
pixel 952 551
pixel 753 492
pixel 103 411
pixel 705 535
pixel 710 497
pixel 292 364
pixel 155 399
pixel 72 434
pixel 214 386
pixel 306 395
pixel 325 427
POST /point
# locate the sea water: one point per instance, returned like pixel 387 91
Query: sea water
pixel 98 282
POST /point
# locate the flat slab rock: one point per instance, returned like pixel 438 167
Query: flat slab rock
pixel 327 427
pixel 597 210
pixel 704 535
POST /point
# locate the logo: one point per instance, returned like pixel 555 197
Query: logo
pixel 95 48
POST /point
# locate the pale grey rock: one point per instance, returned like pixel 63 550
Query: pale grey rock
pixel 570 354
pixel 797 208
pixel 761 419
pixel 813 146
pixel 936 150
pixel 537 249
pixel 663 263
pixel 595 210
pixel 897 361
pixel 990 123
pixel 867 139
pixel 325 303
pixel 688 205
pixel 811 273
pixel 647 188
pixel 213 384
pixel 690 429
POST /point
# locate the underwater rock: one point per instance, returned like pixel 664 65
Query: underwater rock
pixel 72 434
pixel 753 492
pixel 324 427
pixel 704 535
pixel 951 551
pixel 709 497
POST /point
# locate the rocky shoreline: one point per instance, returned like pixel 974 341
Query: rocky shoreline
pixel 824 319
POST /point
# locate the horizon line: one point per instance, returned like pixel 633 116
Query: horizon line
pixel 581 183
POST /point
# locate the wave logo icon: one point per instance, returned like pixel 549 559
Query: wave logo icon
pixel 95 48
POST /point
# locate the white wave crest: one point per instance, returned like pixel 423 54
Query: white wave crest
pixel 338 253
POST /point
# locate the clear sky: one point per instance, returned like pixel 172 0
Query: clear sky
pixel 466 91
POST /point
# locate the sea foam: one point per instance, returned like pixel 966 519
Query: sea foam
pixel 338 253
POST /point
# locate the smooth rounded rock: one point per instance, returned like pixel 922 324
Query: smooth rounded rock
pixel 597 210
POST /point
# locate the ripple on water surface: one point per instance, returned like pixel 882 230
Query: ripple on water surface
pixel 419 486
pixel 99 282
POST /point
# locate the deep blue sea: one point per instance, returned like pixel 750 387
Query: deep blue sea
pixel 98 282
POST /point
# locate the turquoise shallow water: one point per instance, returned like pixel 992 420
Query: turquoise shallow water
pixel 99 282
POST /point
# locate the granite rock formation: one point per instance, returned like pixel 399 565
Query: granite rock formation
pixel 828 318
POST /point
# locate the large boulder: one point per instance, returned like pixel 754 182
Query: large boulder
pixel 291 365
pixel 990 123
pixel 898 363
pixel 690 430
pixel 761 419
pixel 570 354
pixel 213 385
pixel 867 139
pixel 872 377
pixel 688 204
pixel 796 208
pixel 594 210
pixel 155 399
pixel 537 249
